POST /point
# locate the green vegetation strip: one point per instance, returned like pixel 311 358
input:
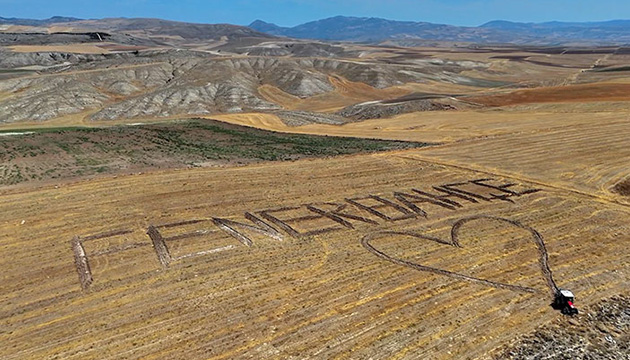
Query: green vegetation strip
pixel 59 153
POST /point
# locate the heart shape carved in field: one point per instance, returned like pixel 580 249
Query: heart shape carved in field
pixel 454 242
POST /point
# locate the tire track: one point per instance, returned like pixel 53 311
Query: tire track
pixel 454 241
pixel 538 240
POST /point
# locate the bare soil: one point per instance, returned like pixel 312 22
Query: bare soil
pixel 622 188
pixel 574 93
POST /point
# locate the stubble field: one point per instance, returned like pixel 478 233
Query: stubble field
pixel 321 295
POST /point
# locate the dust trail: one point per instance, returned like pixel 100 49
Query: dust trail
pixel 455 230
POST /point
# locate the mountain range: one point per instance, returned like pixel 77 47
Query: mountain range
pixel 357 29
pixel 35 22
pixel 363 29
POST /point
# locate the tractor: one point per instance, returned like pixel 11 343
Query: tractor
pixel 563 301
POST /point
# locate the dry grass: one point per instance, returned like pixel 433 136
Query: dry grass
pixel 75 48
pixel 585 152
pixel 589 157
pixel 450 126
pixel 56 28
pixel 22 28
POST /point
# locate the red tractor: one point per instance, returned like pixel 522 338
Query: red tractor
pixel 564 302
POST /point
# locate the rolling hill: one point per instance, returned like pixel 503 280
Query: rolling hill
pixel 171 32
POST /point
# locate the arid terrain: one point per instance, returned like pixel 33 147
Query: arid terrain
pixel 174 192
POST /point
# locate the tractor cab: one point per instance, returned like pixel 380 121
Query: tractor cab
pixel 564 302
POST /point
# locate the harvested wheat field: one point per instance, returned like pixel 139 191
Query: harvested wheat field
pixel 354 257
pixel 574 93
pixel 590 158
pixel 440 127
pixel 79 49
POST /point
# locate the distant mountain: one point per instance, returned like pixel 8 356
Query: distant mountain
pixel 166 28
pixel 357 29
pixel 372 29
pixel 558 25
pixel 266 27
pixel 505 25
pixel 342 28
pixel 34 22
pixel 614 31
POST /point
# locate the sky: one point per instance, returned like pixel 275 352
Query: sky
pixel 294 12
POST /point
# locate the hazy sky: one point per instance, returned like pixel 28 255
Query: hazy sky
pixel 293 12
